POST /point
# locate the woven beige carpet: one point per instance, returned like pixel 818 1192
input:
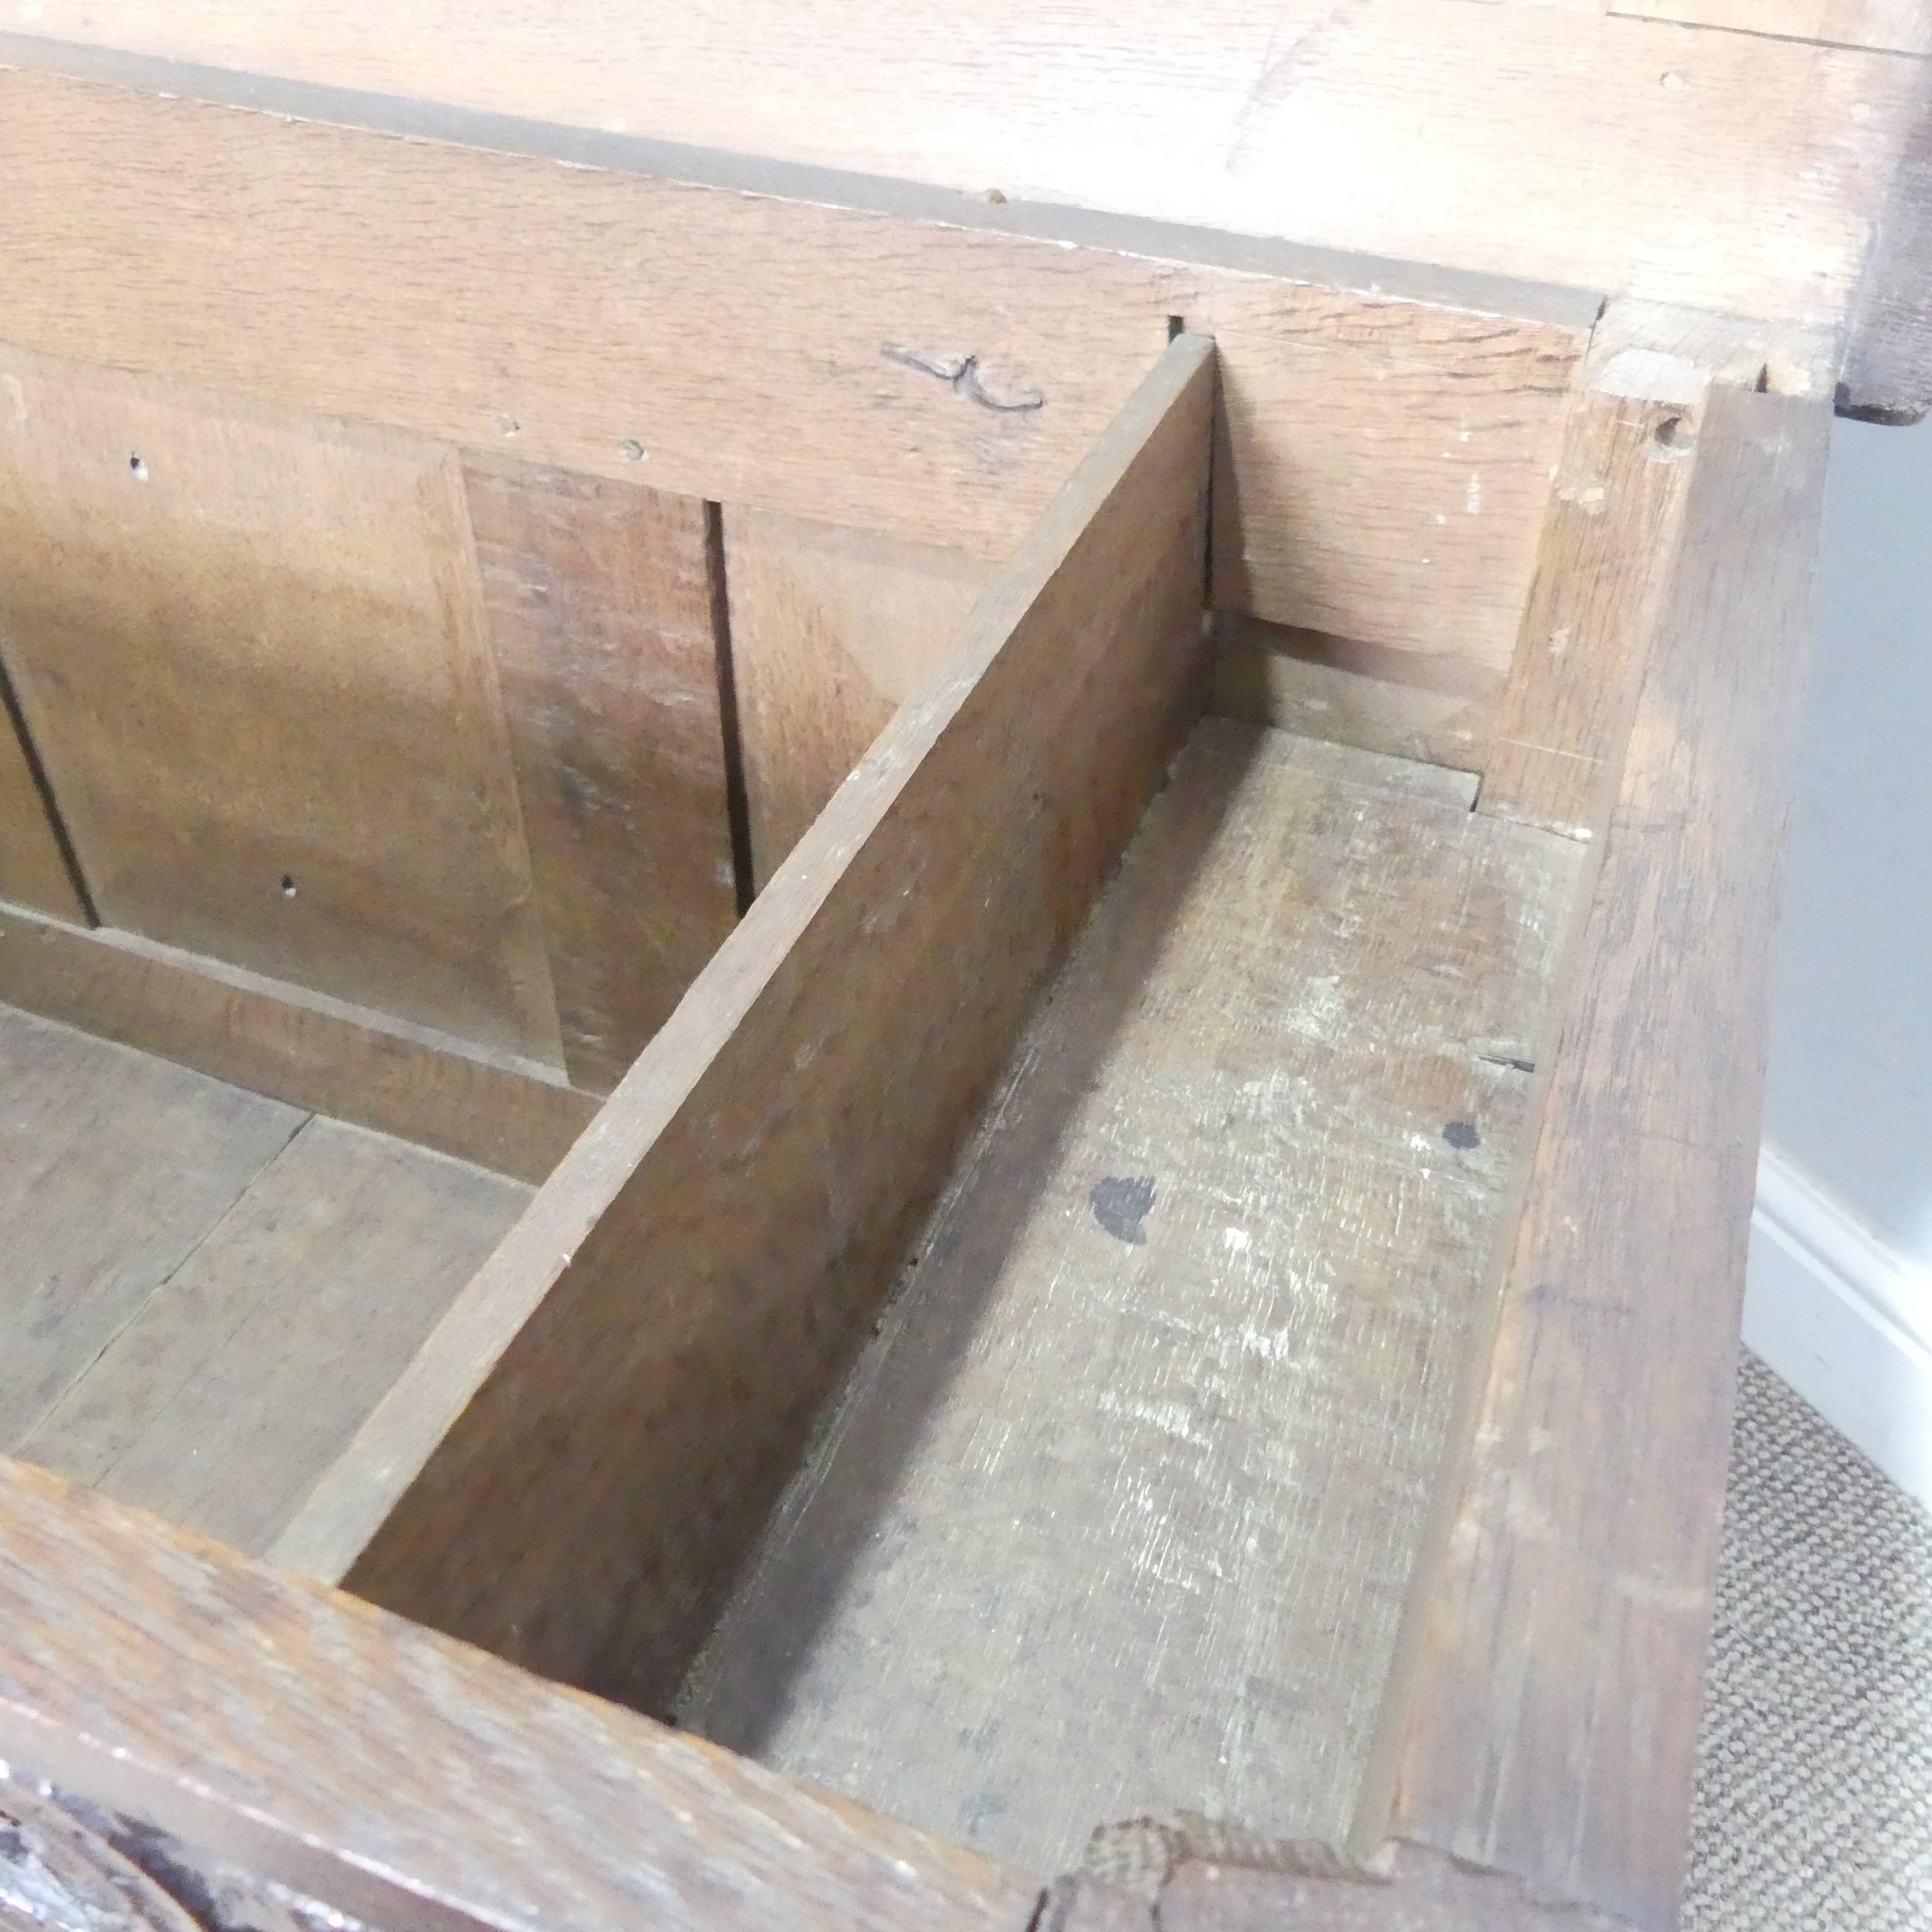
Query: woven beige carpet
pixel 1814 1797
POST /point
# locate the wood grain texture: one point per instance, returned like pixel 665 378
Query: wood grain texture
pixel 1605 561
pixel 831 630
pixel 320 1744
pixel 1211 1880
pixel 598 596
pixel 250 649
pixel 64 1863
pixel 1893 26
pixel 1403 703
pixel 1388 458
pixel 34 870
pixel 1146 1448
pixel 113 1168
pixel 250 1368
pixel 1524 140
pixel 571 1471
pixel 320 1055
pixel 1402 509
pixel 1888 361
pixel 1554 1727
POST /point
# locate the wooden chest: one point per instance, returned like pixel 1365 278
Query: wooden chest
pixel 887 911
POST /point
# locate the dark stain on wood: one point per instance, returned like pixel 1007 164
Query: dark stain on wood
pixel 1122 1205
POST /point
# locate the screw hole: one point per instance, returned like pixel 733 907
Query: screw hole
pixel 137 469
pixel 288 886
pixel 1667 431
pixel 630 450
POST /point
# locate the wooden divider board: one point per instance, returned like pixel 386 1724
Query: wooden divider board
pixel 33 869
pixel 831 630
pixel 250 649
pixel 1388 457
pixel 574 1466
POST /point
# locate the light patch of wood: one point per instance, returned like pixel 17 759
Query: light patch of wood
pixel 831 630
pixel 250 648
pixel 1607 550
pixel 1119 1515
pixel 245 1373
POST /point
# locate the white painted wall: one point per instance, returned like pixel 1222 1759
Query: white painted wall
pixel 1840 1295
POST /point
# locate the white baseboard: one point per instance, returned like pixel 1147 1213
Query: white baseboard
pixel 1845 1318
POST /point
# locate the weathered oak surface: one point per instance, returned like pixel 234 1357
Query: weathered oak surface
pixel 1607 548
pixel 114 1169
pixel 1120 1511
pixel 1888 361
pixel 249 1368
pixel 1533 140
pixel 1895 26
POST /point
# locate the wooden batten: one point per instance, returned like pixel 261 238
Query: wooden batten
pixel 573 1466
pixel 514 1117
pixel 1551 1729
pixel 1607 547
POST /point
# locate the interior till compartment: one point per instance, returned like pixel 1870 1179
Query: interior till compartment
pixel 1169 1249
pixel 1118 1514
